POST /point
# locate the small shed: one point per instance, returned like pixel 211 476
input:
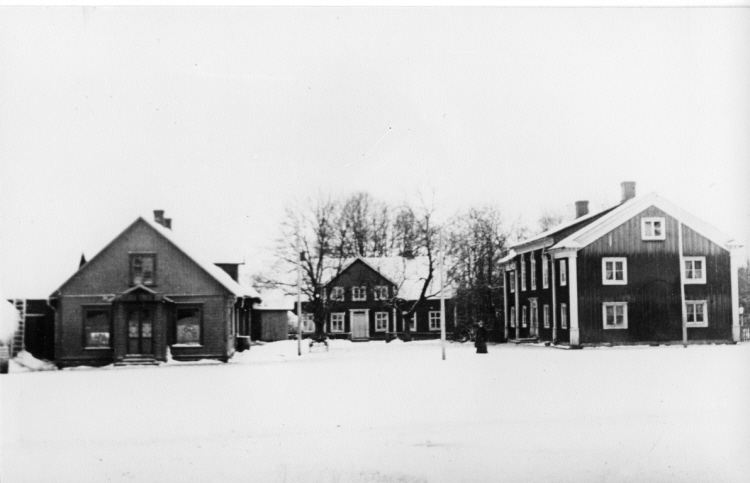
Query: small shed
pixel 270 321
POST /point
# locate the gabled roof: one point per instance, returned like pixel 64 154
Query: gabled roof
pixel 628 210
pixel 407 274
pixel 215 272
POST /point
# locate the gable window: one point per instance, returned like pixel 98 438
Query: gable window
pixel 563 273
pixel 614 271
pixel 564 316
pixel 615 315
pixel 652 228
pixel 188 325
pixel 545 272
pixel 512 316
pixel 697 313
pixel 381 321
pixel 359 294
pixel 695 269
pixel 381 292
pixel 523 273
pixel 434 320
pixel 533 271
pixel 523 316
pixel 337 322
pixel 337 293
pixel 512 279
pixel 308 323
pixel 545 310
pixel 142 268
pixel 96 328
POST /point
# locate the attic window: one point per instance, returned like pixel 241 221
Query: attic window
pixel 142 268
pixel 653 228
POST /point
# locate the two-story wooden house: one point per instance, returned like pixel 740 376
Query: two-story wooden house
pixel 631 273
pixel 144 295
pixel 369 298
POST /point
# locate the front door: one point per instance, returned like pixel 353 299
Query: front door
pixel 140 329
pixel 534 327
pixel 360 326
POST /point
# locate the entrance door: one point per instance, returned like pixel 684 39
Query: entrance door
pixel 534 327
pixel 140 330
pixel 360 326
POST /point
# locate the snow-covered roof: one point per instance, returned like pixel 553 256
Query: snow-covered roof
pixel 275 304
pixel 407 274
pixel 631 208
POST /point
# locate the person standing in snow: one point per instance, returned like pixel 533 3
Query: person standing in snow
pixel 480 341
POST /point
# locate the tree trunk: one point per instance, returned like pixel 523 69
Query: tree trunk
pixel 320 332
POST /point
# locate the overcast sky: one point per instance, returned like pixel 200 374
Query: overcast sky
pixel 223 116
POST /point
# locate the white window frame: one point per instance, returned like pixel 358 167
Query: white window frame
pixel 613 261
pixel 434 318
pixel 512 281
pixel 337 294
pixel 545 272
pixel 564 316
pixel 545 312
pixel 523 274
pixel 379 316
pixel 337 315
pixel 685 271
pixel 359 293
pixel 513 317
pixel 379 291
pixel 524 320
pixel 563 273
pixel 624 306
pixel 532 267
pixel 645 221
pixel 308 322
pixel 694 303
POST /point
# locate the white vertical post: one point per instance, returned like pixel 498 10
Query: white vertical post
pixel 575 339
pixel 442 296
pixel 554 280
pixel 683 309
pixel 734 280
pixel 299 298
pixel 505 303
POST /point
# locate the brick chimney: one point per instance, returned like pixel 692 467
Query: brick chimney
pixel 628 190
pixel 168 223
pixel 582 208
pixel 159 217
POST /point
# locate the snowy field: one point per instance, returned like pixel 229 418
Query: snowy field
pixel 376 412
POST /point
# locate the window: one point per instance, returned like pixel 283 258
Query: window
pixel 381 292
pixel 545 310
pixel 308 323
pixel 615 315
pixel 523 317
pixel 695 269
pixel 96 328
pixel 534 313
pixel 188 325
pixel 564 316
pixel 413 323
pixel 434 320
pixel 512 278
pixel 533 272
pixel 614 271
pixel 697 313
pixel 563 273
pixel 545 272
pixel 381 321
pixel 337 322
pixel 359 293
pixel 652 229
pixel 142 268
pixel 523 273
pixel 337 293
pixel 512 316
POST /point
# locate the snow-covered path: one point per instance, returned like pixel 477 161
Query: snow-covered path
pixel 376 412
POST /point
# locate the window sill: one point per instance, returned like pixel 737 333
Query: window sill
pixel 186 345
pixel 616 282
pixel 697 326
pixel 614 328
pixel 97 348
pixel 694 281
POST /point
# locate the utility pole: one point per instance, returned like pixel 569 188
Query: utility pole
pixel 299 298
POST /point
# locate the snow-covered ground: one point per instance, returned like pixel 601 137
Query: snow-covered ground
pixel 376 412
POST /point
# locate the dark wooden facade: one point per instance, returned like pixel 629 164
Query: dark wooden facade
pixel 650 293
pixel 191 310
pixel 376 317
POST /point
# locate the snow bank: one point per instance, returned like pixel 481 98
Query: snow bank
pixel 26 362
pixel 9 318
